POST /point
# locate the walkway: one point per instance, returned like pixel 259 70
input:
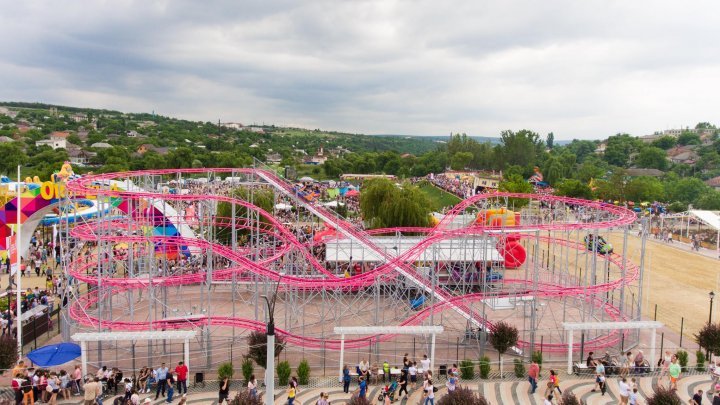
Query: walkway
pixel 497 392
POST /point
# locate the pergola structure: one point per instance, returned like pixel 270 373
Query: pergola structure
pixel 710 218
pixel 83 338
pixel 387 330
pixel 570 327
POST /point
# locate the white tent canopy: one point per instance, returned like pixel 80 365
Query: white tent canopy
pixel 83 338
pixel 462 249
pixel 570 327
pixel 709 218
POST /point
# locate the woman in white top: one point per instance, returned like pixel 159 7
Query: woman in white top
pixel 429 393
pixel 252 386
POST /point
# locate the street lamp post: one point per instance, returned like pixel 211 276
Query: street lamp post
pixel 270 358
pixel 712 297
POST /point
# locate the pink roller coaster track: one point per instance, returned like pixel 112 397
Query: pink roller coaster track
pixel 244 266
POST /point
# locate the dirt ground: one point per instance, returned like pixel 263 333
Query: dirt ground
pixel 677 281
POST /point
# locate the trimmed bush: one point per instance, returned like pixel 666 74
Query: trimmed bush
pixel 700 360
pixel 682 356
pixel 247 368
pixel 283 373
pixel 226 370
pixel 537 357
pixel 664 396
pixel 244 398
pixel 303 372
pixel 568 398
pixel 467 369
pixel 356 400
pixel 519 368
pixel 257 343
pixel 8 352
pixel 485 367
pixel 462 396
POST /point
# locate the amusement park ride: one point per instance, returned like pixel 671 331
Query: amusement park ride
pixel 148 256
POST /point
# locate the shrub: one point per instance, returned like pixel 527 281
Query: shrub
pixel 682 356
pixel 568 398
pixel 519 368
pixel 467 369
pixel 462 396
pixel 709 337
pixel 257 342
pixel 664 396
pixel 485 367
pixel 244 398
pixel 700 360
pixel 356 400
pixel 225 370
pixel 247 368
pixel 8 352
pixel 283 372
pixel 537 357
pixel 303 372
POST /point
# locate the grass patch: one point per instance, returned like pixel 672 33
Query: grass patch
pixel 438 198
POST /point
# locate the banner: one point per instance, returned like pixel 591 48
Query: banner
pixel 12 253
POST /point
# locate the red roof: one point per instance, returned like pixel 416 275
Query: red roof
pixel 714 182
pixel 59 134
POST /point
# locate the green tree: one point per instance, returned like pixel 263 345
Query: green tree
pixel 553 169
pixel 664 142
pixel 12 157
pixel 708 337
pixel 263 198
pixel 550 140
pixel 460 160
pixel 685 190
pixel 257 347
pixel 619 148
pixel 383 204
pixel 503 337
pixel 574 188
pixel 644 189
pixel 652 158
pixel 688 138
pixel 521 148
pixel 613 188
pixel 180 158
pixel 709 200
pixel 516 184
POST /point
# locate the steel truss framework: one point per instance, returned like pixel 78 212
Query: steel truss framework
pixel 201 258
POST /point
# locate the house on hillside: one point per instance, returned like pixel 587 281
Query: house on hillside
pixel 714 183
pixel 80 157
pixel 683 154
pixel 601 148
pixel 58 140
pixel 644 172
pixel 79 117
pixel 273 158
pixel 6 139
pixel 232 125
pixel 146 147
pixel 101 145
pixel 132 134
pixel 317 159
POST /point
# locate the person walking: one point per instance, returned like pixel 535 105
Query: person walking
pixel 161 378
pixel 429 393
pixel 291 394
pixel 169 380
pixel 181 372
pixel 715 374
pixel 624 391
pixel 224 392
pixel 555 380
pixel 346 379
pixel 252 386
pixel 533 374
pixel 403 382
pixel 93 390
pixel 674 371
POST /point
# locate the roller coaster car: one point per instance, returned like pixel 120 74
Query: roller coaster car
pixel 601 246
pixel 493 277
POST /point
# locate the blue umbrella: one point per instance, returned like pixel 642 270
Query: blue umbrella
pixel 54 355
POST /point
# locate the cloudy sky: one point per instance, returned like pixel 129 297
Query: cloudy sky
pixel 580 68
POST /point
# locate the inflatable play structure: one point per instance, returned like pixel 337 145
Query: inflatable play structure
pixel 47 203
pixel 509 246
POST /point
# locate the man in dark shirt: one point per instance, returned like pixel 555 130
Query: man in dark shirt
pixel 590 362
pixel 698 397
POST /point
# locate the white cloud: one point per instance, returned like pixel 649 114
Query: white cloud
pixel 584 69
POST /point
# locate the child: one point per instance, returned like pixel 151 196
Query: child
pixel 633 396
pixel 413 373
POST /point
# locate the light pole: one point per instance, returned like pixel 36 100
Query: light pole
pixel 712 297
pixel 270 358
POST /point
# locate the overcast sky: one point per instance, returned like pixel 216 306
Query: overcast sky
pixel 581 68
